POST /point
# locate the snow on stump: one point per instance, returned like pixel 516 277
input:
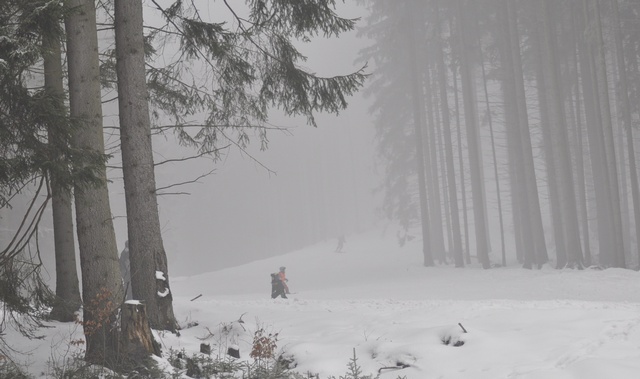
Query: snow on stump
pixel 136 338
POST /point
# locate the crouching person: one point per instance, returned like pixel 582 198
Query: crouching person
pixel 277 287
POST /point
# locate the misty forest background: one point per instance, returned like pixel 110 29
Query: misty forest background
pixel 502 130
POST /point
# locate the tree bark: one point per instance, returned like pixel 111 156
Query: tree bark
pixel 463 189
pixel 612 169
pixel 472 127
pixel 626 119
pixel 149 268
pixel 433 180
pixel 560 141
pixel 456 237
pixel 136 339
pixel 417 96
pixel 102 289
pixel 595 139
pixel 495 161
pixel 67 300
pixel 529 174
pixel 580 160
pixel 519 192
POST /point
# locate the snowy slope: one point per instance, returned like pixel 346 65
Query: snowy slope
pixel 378 299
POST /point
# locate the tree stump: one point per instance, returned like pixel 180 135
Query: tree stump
pixel 205 348
pixel 136 338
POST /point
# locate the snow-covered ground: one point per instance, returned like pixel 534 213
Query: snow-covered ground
pixel 378 299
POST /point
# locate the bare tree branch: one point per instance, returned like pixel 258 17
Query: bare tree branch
pixel 196 180
pixel 193 156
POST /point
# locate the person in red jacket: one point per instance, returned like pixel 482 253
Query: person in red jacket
pixel 283 279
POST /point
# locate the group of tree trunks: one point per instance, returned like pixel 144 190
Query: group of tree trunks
pixel 252 67
pixel 547 72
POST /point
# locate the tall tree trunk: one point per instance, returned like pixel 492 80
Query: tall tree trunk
pixel 433 180
pixel 635 192
pixel 149 268
pixel 102 289
pixel 581 183
pixel 626 118
pixel 417 96
pixel 524 251
pixel 472 126
pixel 442 168
pixel 612 169
pixel 519 192
pixel 67 300
pixel 529 174
pixel 495 161
pixel 560 141
pixel 456 248
pixel 463 186
pixel 595 139
pixel 549 152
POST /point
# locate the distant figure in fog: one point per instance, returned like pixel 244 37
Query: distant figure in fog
pixel 341 242
pixel 125 269
pixel 283 279
pixel 277 287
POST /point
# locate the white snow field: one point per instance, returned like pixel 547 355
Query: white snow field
pixel 378 299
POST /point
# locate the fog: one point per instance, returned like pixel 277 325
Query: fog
pixel 309 185
pixel 495 132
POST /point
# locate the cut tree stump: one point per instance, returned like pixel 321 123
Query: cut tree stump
pixel 136 337
pixel 205 348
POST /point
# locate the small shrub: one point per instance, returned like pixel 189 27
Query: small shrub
pixel 75 367
pixel 264 346
pixel 9 369
pixel 202 366
pixel 354 371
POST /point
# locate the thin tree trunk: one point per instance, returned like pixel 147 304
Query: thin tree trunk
pixel 560 142
pixel 416 98
pixel 612 169
pixel 635 192
pixel 472 127
pixel 626 119
pixel 519 192
pixel 581 183
pixel 448 145
pixel 443 170
pixel 463 190
pixel 549 154
pixel 495 162
pixel 149 268
pixel 433 180
pixel 510 115
pixel 595 139
pixel 67 300
pixel 102 289
pixel 529 174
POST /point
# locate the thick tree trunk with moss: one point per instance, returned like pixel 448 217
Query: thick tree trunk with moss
pixel 102 289
pixel 149 269
pixel 67 300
